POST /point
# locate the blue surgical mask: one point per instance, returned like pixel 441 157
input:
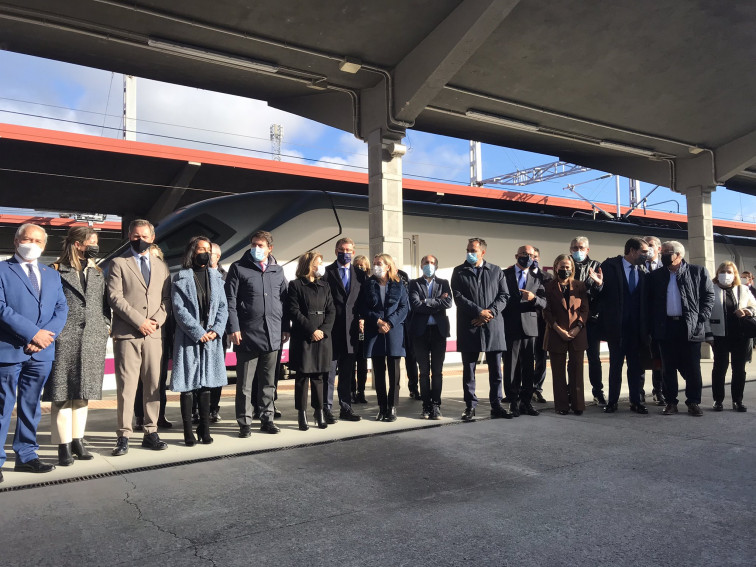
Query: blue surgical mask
pixel 429 270
pixel 472 258
pixel 579 255
pixel 344 258
pixel 258 254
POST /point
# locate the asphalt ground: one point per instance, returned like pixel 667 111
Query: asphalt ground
pixel 595 489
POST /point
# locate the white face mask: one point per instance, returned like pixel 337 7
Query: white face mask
pixel 726 279
pixel 320 271
pixel 29 251
pixel 378 271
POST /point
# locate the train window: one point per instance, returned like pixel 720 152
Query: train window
pixel 174 242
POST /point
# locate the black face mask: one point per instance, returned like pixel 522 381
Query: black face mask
pixel 140 245
pixel 666 260
pixel 642 259
pixel 91 251
pixel 202 259
pixel 524 261
pixel 564 273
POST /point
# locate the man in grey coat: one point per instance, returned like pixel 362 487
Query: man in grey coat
pixel 480 293
pixel 256 292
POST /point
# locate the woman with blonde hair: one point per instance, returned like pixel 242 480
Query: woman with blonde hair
pixel 384 305
pixel 732 303
pixel 77 372
pixel 566 315
pixel 309 305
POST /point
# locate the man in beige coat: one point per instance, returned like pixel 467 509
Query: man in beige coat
pixel 139 290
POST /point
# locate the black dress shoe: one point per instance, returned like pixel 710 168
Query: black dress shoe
pixel 33 466
pixel 255 415
pixel 514 409
pixel 164 423
pixel 695 410
pixel 670 409
pixel 382 412
pixel 121 448
pixel 245 431
pixel 65 457
pixel 361 398
pixel 639 408
pixel 468 414
pixel 277 414
pixel 80 451
pixel 138 424
pixel 353 398
pixel 610 408
pixel 562 412
pixel 498 412
pixel 320 419
pixel 215 417
pixel 269 427
pixel 599 399
pixel 436 412
pixel 330 420
pixel 390 415
pixel 718 406
pixel 415 395
pixel 538 397
pixel 152 441
pixel 577 412
pixel 528 409
pixel 739 407
pixel 659 398
pixel 348 415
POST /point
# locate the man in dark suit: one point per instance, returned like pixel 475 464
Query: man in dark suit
pixel 540 353
pixel 624 323
pixel 429 298
pixel 681 297
pixel 345 282
pixel 480 293
pixel 256 291
pixel 33 312
pixel 652 264
pixel 521 328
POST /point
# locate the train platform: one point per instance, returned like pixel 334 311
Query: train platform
pixel 100 436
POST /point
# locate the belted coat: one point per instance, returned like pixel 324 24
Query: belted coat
pixel 309 306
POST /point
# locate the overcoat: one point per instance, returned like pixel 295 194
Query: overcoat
pixel 566 316
pixel 345 333
pixel 77 372
pixel 520 316
pixel 393 310
pixel 196 364
pixel 309 305
pixel 474 293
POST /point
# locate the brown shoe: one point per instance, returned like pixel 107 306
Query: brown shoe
pixel 670 409
pixel 694 410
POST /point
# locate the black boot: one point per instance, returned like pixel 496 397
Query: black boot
pixel 203 429
pixel 186 418
pixel 65 458
pixel 78 448
pixel 320 419
pixel 303 425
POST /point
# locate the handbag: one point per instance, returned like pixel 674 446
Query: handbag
pixel 748 327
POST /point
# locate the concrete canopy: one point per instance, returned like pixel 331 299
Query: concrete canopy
pixel 659 81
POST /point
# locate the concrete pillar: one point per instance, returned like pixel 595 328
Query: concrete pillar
pixel 700 227
pixel 385 197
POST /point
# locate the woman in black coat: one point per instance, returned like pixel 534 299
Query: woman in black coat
pixel 309 305
pixel 384 305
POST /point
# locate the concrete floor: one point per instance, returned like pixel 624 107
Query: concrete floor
pixel 549 490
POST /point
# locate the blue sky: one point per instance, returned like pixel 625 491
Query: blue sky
pixel 49 94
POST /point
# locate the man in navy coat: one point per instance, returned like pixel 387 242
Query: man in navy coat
pixel 33 311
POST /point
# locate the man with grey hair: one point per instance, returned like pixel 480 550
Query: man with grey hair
pixel 681 297
pixel 33 311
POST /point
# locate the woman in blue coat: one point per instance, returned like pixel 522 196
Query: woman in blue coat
pixel 200 311
pixel 384 306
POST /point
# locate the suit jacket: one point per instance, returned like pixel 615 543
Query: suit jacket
pixel 566 316
pixel 346 330
pixel 132 301
pixel 23 313
pixel 612 302
pixel 521 317
pixel 423 307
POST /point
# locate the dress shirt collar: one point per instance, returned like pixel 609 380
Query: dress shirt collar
pixel 20 260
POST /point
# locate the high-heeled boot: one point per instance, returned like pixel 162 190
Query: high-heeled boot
pixel 65 458
pixel 186 418
pixel 302 418
pixel 203 429
pixel 320 418
pixel 78 448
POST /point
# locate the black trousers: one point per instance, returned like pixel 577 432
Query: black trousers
pixel 678 353
pixel 430 352
pixel 316 390
pixel 469 363
pixel 539 375
pixel 215 396
pixel 620 351
pixel 359 381
pixel 344 366
pixel 725 349
pixel 593 353
pixel 388 399
pixel 410 361
pixel 519 369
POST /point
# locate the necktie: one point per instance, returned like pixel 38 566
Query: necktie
pixel 345 278
pixel 145 269
pixel 523 279
pixel 633 279
pixel 33 279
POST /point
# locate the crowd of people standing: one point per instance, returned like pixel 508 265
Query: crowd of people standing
pixel 650 305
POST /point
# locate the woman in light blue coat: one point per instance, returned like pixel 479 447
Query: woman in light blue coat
pixel 200 311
